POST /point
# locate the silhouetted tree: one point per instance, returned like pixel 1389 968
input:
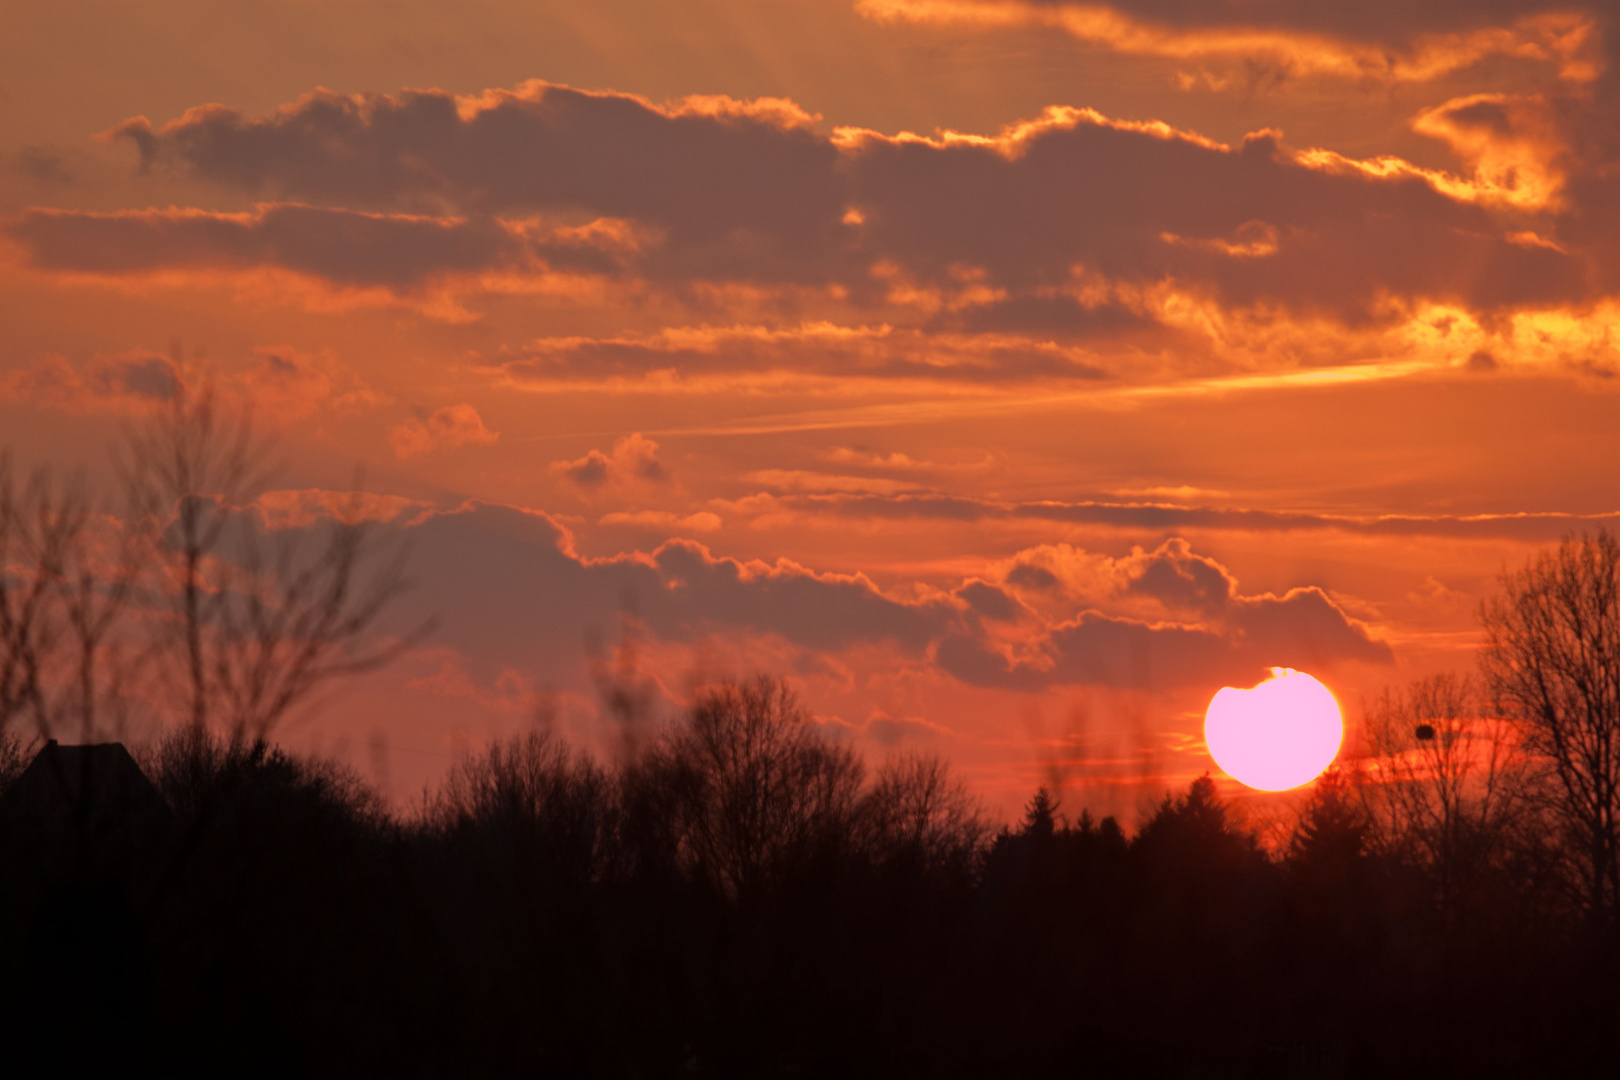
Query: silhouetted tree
pixel 1329 871
pixel 1332 830
pixel 260 622
pixel 1040 816
pixel 1450 791
pixel 918 813
pixel 68 572
pixel 1552 662
pixel 14 757
pixel 754 790
pixel 547 804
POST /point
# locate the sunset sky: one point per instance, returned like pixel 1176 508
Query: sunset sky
pixel 1009 374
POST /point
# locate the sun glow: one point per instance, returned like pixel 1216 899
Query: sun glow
pixel 1277 736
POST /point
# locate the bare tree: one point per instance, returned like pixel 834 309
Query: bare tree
pixel 66 573
pixel 261 619
pixel 186 469
pixel 752 788
pixel 1552 662
pixel 31 546
pixel 917 811
pixel 1449 781
pixel 549 802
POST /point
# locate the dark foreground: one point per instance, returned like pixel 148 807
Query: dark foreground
pixel 743 901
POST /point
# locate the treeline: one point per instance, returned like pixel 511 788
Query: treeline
pixel 736 895
pixel 742 897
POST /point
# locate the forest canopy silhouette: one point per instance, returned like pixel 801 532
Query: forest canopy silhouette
pixel 736 891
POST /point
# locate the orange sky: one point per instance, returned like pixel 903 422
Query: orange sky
pixel 1009 374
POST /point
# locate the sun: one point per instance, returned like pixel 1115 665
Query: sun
pixel 1277 736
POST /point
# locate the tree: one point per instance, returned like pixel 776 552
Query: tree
pixel 66 574
pixel 32 543
pixel 920 815
pixel 1552 662
pixel 1331 828
pixel 549 805
pixel 1449 784
pixel 1040 816
pixel 752 789
pixel 259 623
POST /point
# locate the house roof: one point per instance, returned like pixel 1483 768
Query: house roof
pixel 96 787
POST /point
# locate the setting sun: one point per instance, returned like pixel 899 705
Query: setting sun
pixel 1277 736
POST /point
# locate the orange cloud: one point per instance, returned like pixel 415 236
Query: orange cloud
pixel 702 355
pixel 634 460
pixel 445 428
pixel 1295 42
pixel 289 384
pixel 1155 516
pixel 732 199
pixel 324 258
pixel 702 521
pixel 302 508
pixel 1071 246
pixel 119 383
pixel 1511 142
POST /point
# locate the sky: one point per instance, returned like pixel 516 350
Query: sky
pixel 1010 375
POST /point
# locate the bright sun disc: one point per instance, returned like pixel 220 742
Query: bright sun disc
pixel 1279 735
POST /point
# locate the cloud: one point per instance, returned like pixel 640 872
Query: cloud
pixel 345 248
pixel 1301 629
pixel 1532 527
pixel 279 382
pixel 634 459
pixel 124 382
pixel 810 350
pixel 445 428
pixel 702 521
pixel 886 730
pixel 1512 143
pixel 989 601
pixel 778 480
pixel 1198 630
pixel 1181 580
pixel 726 180
pixel 45 166
pixel 508 586
pixel 1074 204
pixel 289 384
pixel 1338 39
pixel 511 593
pixel 302 508
pixel 1058 222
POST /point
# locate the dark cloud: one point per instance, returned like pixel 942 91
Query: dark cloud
pixel 117 383
pixel 347 248
pixel 989 601
pixel 506 584
pixel 1029 576
pixel 1303 629
pixel 1114 199
pixel 634 458
pixel 1180 579
pixel 726 191
pixel 880 352
pixel 735 187
pixel 44 166
pixel 509 591
pixel 1057 316
pixel 1393 22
